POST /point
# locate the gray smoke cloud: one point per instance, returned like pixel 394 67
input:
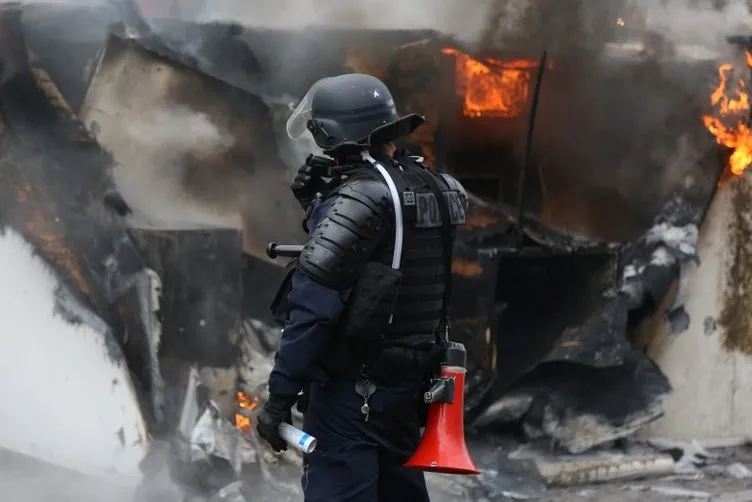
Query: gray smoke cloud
pixel 455 17
pixel 702 22
pixel 154 170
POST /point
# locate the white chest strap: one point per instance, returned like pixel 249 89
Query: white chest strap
pixel 398 223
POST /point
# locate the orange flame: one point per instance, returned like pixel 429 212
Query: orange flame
pixel 466 268
pixel 732 106
pixel 248 403
pixel 493 88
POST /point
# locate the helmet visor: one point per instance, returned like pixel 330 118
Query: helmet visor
pixel 297 124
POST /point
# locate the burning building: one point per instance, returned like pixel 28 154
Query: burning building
pixel 717 338
pixel 578 226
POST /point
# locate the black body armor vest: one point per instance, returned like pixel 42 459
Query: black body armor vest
pixel 353 246
pixel 418 307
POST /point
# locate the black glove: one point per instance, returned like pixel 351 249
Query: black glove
pixel 275 411
pixel 308 182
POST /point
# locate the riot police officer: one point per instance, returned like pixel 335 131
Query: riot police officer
pixel 366 305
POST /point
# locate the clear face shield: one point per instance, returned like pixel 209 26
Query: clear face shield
pixel 297 124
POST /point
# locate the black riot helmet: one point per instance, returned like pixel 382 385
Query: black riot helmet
pixel 350 112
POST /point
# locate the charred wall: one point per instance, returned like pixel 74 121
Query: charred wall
pixel 57 192
pixel 543 296
pixel 202 291
pixel 200 303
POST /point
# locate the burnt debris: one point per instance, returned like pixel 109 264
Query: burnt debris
pixel 599 357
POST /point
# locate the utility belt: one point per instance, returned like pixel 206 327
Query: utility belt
pixel 408 358
pixel 358 345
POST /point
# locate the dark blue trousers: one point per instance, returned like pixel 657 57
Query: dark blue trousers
pixel 359 461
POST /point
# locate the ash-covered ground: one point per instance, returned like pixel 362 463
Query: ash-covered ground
pixel 25 480
pixel 721 479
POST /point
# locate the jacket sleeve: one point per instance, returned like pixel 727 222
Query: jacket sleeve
pixel 313 311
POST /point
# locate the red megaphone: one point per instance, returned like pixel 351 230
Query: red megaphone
pixel 442 447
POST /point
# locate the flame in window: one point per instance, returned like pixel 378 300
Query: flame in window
pixel 492 88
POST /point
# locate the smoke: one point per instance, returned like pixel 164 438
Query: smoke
pixel 159 146
pixel 508 21
pixel 460 18
pixel 700 22
pixel 204 163
pixel 178 131
pixel 620 119
pixel 183 170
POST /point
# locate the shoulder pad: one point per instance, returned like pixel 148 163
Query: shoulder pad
pixel 346 236
pixel 453 184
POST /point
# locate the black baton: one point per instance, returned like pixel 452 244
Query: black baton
pixel 273 250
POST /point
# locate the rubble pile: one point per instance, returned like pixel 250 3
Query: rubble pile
pixel 651 469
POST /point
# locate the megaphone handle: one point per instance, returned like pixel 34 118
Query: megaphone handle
pixel 442 391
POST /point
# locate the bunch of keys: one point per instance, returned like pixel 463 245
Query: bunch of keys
pixel 365 389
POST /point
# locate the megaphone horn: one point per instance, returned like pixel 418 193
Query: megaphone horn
pixel 442 448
